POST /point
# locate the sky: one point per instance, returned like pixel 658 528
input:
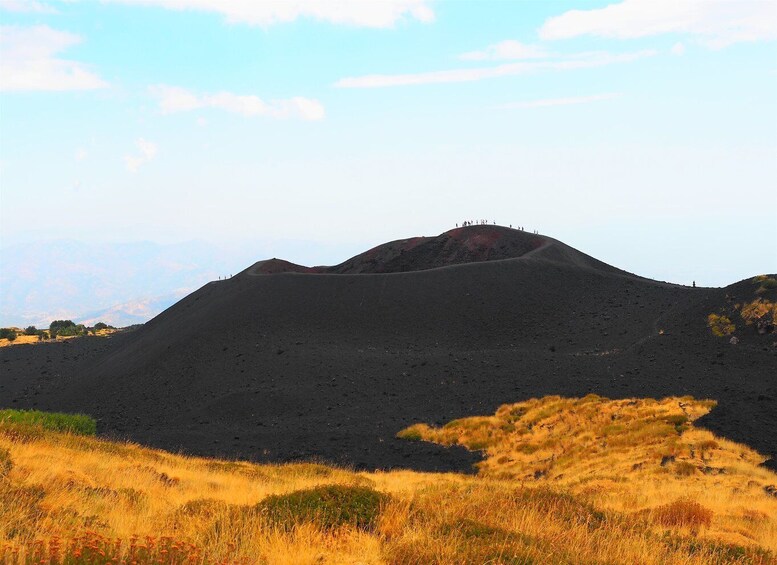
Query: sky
pixel 642 132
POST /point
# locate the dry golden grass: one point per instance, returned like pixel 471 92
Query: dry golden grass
pixel 76 499
pixel 625 455
pixel 22 339
pixel 759 310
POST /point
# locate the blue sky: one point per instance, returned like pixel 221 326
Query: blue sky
pixel 641 132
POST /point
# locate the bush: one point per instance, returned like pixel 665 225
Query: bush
pixel 683 512
pixel 101 326
pixel 327 506
pixel 31 330
pixel 57 326
pixel 78 424
pixel 720 325
pixel 7 333
pixel 759 311
pixel 74 330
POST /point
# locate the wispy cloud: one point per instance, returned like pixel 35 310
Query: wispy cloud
pixel 29 61
pixel 358 13
pixel 27 6
pixel 506 50
pixel 176 99
pixel 560 101
pixel 581 61
pixel 714 23
pixel 147 151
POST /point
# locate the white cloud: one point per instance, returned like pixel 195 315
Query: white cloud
pixel 176 99
pixel 29 62
pixel 715 23
pixel 26 6
pixel 81 154
pixel 560 101
pixel 581 61
pixel 506 50
pixel 677 49
pixel 361 13
pixel 146 152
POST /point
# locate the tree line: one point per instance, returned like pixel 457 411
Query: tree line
pixel 63 328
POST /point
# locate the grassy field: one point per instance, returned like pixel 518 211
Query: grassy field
pixel 21 339
pixel 565 481
pixel 29 421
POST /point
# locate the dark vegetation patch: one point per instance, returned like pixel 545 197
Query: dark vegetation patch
pixel 328 507
pixel 8 333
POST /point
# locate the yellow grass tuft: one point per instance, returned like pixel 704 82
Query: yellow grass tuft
pixel 720 325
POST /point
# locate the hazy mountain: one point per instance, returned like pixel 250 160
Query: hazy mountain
pixel 124 283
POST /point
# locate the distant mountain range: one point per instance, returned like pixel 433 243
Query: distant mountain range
pixel 117 283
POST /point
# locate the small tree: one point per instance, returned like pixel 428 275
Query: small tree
pixel 61 327
pixel 7 333
pixel 100 326
pixel 30 330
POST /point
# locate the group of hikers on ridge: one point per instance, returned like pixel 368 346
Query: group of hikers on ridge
pixel 474 222
pixel 466 223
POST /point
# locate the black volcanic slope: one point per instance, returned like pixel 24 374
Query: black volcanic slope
pixel 285 362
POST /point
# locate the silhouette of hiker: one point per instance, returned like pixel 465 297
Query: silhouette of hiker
pixel 694 284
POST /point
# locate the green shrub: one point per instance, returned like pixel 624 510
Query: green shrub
pixel 328 506
pixel 74 330
pixel 7 333
pixel 61 324
pixel 79 424
pixel 61 327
